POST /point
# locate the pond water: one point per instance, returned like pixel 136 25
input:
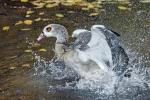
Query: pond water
pixel 22 22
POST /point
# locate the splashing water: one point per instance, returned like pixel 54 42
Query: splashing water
pixel 106 85
pixel 102 83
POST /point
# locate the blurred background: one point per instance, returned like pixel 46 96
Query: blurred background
pixel 21 21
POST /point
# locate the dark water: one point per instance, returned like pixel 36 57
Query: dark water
pixel 130 19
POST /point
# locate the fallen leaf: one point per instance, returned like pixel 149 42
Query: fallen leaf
pixel 83 4
pixel 38 4
pixel 41 13
pixel 24 0
pixel 27 15
pixel 35 45
pixel 28 22
pixel 50 1
pixel 28 51
pixel 59 15
pixel 29 12
pixel 51 5
pixel 26 29
pixel 122 8
pixel 12 57
pixel 6 28
pixel 18 23
pixel 42 50
pixel 90 6
pixel 12 68
pixel 26 65
pixel 38 19
pixel 145 1
pixel 71 12
pixel 93 14
pixel 45 19
pixel 67 3
pixel 84 8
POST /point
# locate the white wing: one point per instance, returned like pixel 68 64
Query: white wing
pixel 99 50
pixel 83 37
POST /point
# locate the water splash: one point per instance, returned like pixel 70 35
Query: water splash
pixel 106 85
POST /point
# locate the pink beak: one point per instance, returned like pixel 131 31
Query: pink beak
pixel 40 37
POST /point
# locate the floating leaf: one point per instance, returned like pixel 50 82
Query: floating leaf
pixel 24 0
pixel 122 8
pixel 6 28
pixel 26 65
pixel 26 29
pixel 35 45
pixel 12 57
pixel 28 51
pixel 93 14
pixel 38 4
pixel 84 8
pixel 90 6
pixel 41 13
pixel 42 50
pixel 145 1
pixel 45 19
pixel 27 15
pixel 12 68
pixel 51 5
pixel 18 23
pixel 67 3
pixel 59 15
pixel 29 12
pixel 71 12
pixel 28 22
pixel 38 19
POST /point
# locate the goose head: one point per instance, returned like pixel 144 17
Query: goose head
pixel 54 30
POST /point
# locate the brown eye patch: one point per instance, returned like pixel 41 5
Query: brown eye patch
pixel 48 29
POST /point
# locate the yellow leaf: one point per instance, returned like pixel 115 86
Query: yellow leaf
pixel 145 1
pixel 38 4
pixel 26 29
pixel 24 0
pixel 28 51
pixel 35 45
pixel 59 15
pixel 45 19
pixel 71 12
pixel 90 6
pixel 29 12
pixel 93 14
pixel 122 8
pixel 67 3
pixel 28 22
pixel 38 19
pixel 12 57
pixel 18 23
pixel 51 5
pixel 6 28
pixel 84 8
pixel 27 15
pixel 42 50
pixel 26 65
pixel 12 68
pixel 41 13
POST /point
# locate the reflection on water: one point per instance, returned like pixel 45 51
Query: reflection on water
pixel 23 21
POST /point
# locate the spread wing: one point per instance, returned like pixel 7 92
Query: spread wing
pixel 112 37
pixel 119 56
pixel 82 40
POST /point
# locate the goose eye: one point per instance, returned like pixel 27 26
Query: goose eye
pixel 48 29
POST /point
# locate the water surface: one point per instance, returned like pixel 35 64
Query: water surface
pixel 17 81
